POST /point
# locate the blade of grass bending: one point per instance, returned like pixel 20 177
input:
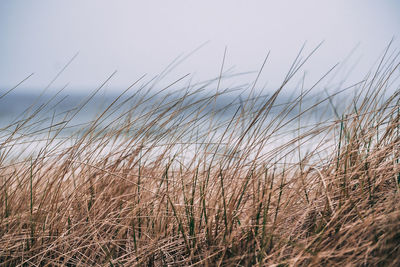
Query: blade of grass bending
pixel 180 226
pixel 204 209
pixel 31 202
pixel 281 186
pixel 21 82
pixel 138 201
pixel 266 210
pixel 248 178
pixel 221 179
pixel 192 222
pixel 398 135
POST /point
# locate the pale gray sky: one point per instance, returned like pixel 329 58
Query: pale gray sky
pixel 138 37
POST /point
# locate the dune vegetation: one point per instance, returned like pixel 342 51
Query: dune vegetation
pixel 177 177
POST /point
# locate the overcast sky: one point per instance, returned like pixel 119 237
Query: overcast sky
pixel 143 37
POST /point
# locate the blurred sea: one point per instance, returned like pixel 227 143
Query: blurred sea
pixel 32 118
pixel 16 107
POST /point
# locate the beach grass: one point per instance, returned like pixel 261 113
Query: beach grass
pixel 161 178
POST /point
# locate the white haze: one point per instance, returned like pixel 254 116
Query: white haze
pixel 143 37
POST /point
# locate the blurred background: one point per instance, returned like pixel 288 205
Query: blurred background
pixel 78 44
pixel 75 45
pixel 143 37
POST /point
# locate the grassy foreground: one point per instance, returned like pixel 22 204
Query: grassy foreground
pixel 180 179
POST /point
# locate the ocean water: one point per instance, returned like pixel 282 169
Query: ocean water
pixel 28 121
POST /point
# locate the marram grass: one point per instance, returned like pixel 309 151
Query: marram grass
pixel 178 179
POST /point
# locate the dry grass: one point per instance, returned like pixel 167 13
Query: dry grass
pixel 179 179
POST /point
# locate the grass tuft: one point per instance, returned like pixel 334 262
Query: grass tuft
pixel 186 177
